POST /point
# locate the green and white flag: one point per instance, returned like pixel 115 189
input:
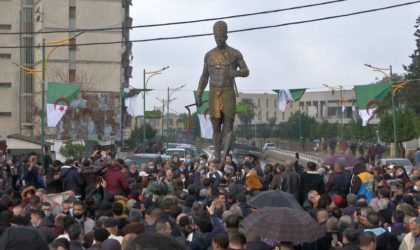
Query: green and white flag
pixel 369 97
pixel 58 100
pixel 132 101
pixel 287 96
pixel 204 118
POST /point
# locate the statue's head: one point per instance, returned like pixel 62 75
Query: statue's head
pixel 220 33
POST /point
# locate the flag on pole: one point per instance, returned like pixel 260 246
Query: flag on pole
pixel 204 118
pixel 287 96
pixel 369 97
pixel 58 100
pixel 132 101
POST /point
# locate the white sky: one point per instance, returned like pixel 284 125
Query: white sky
pixel 298 56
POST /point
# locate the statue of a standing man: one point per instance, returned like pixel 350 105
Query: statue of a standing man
pixel 222 64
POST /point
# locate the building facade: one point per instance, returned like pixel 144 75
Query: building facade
pixel 97 113
pixel 321 105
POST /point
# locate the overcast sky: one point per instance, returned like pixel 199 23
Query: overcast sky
pixel 298 56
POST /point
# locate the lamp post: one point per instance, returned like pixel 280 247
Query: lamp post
pixel 168 101
pixel 394 123
pixel 341 102
pixel 145 81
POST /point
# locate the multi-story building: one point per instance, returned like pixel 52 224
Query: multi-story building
pixel 321 105
pixel 10 88
pixel 100 70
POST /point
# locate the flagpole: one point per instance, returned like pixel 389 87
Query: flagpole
pixel 43 105
pixel 394 123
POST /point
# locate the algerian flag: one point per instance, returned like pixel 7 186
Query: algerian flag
pixel 204 118
pixel 132 101
pixel 288 96
pixel 369 97
pixel 58 100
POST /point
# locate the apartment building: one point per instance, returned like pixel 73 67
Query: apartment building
pixel 97 113
pixel 321 105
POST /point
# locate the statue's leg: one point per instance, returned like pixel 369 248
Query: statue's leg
pixel 217 138
pixel 228 135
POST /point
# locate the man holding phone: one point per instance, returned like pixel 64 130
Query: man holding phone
pixel 30 171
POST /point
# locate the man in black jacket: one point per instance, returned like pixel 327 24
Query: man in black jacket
pixel 291 180
pixel 22 237
pixel 310 180
pixel 339 182
pixel 43 225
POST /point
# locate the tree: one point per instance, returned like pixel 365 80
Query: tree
pixel 405 126
pixel 307 125
pixel 410 92
pixel 196 125
pixel 137 135
pixel 247 117
pixel 359 132
pixel 72 150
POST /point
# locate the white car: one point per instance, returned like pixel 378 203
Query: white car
pixel 268 146
pixel 397 162
pixel 176 151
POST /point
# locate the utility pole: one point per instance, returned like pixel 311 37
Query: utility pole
pixel 394 123
pixel 43 106
pixel 144 111
pixel 145 81
pixel 342 114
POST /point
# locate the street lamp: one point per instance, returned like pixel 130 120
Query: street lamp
pixel 341 102
pixel 394 123
pixel 168 101
pixel 145 81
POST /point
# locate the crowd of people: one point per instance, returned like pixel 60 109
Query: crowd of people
pixel 103 203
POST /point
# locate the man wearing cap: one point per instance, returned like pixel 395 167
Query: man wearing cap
pixel 221 66
pixel 413 238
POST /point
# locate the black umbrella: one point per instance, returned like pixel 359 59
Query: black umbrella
pixel 282 224
pixel 274 198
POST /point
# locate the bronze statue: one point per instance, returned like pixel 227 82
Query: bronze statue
pixel 221 65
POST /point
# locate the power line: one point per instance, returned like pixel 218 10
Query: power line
pixel 177 23
pixel 232 31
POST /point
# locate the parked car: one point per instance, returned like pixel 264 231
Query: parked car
pixel 268 146
pixel 397 162
pixel 176 151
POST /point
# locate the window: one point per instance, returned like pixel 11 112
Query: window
pixel 259 103
pixel 72 75
pixel 282 116
pixel 5 27
pixel 5 114
pixel 72 12
pixel 332 111
pixel 275 114
pixel 72 44
pixel 5 56
pixel 266 115
pixel 266 103
pixel 5 84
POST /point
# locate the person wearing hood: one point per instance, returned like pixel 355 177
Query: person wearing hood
pixel 382 235
pixel 72 180
pixel 362 182
pixel 43 225
pixel 116 179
